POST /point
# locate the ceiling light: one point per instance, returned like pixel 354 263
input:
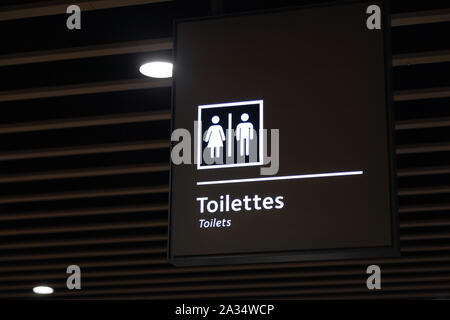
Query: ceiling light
pixel 157 69
pixel 43 290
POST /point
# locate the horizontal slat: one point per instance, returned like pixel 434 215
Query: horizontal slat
pixel 426 223
pixel 420 94
pixel 425 208
pixel 308 264
pixel 87 52
pixel 84 194
pixel 420 17
pixel 270 289
pixel 46 8
pixel 425 248
pixel 81 173
pixel 250 285
pixel 423 171
pixel 367 295
pixel 167 44
pixel 205 277
pixel 135 84
pixel 82 254
pixel 90 288
pixel 88 264
pixel 162 44
pixel 408 294
pixel 81 242
pixel 263 294
pixel 426 236
pixel 84 228
pixel 423 190
pixel 82 212
pixel 58 273
pixel 59 7
pixel 84 150
pixel 422 123
pixel 423 148
pixel 86 88
pixel 86 121
pixel 167 269
pixel 408 59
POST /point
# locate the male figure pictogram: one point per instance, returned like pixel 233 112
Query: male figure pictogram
pixel 244 133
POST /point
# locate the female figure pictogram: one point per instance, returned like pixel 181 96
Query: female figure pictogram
pixel 215 137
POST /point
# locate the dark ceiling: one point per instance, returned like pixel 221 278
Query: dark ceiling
pixel 84 154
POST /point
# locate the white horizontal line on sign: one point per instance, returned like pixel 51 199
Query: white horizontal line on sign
pixel 299 176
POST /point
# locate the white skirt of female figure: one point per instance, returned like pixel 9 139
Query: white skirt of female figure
pixel 215 137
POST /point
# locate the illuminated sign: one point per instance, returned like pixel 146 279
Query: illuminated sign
pixel 281 143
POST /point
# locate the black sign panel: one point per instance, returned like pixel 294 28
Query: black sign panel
pixel 303 93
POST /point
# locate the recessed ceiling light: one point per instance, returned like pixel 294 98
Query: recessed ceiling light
pixel 157 69
pixel 43 290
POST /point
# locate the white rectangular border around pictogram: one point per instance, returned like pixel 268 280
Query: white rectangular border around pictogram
pixel 230 104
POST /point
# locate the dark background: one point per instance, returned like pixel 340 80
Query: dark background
pixel 321 75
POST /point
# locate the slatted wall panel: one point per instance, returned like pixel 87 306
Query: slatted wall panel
pixel 84 159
